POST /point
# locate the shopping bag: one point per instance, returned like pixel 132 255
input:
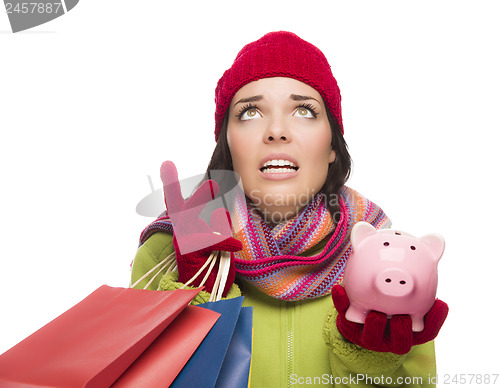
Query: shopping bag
pixel 235 370
pixel 204 367
pixel 166 356
pixel 95 341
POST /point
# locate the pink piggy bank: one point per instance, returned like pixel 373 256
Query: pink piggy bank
pixel 391 272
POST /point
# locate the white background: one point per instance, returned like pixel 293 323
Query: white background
pixel 92 103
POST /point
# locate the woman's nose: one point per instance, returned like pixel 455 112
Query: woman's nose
pixel 277 131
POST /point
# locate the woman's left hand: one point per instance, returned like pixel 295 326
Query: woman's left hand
pixel 378 335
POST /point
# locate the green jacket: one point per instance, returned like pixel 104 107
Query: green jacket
pixel 297 343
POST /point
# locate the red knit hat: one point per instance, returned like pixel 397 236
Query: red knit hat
pixel 278 54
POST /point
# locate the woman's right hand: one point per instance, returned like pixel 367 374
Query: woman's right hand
pixel 194 239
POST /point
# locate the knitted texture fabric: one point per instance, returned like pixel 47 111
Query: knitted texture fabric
pixel 278 54
pixel 270 259
pixel 161 224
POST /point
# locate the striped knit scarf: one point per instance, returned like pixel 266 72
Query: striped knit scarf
pixel 271 256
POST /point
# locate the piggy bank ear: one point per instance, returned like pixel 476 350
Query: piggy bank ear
pixel 435 243
pixel 360 231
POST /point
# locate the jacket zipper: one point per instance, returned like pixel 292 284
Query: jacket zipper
pixel 290 327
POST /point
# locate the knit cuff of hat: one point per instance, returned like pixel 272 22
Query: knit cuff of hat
pixel 278 54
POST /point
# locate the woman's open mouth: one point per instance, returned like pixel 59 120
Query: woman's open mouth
pixel 278 166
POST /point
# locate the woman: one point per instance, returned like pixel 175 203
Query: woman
pixel 279 127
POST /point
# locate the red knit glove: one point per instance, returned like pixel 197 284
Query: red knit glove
pixel 194 239
pixel 397 336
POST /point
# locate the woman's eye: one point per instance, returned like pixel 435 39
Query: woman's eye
pixel 250 114
pixel 304 112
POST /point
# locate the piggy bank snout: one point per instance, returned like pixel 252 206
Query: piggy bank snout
pixel 394 282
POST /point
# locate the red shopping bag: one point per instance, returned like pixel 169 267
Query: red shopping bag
pixel 162 361
pixel 94 342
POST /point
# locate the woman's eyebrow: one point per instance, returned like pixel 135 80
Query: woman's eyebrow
pixel 298 97
pixel 249 99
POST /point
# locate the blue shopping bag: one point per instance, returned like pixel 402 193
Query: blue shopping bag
pixel 235 371
pixel 217 357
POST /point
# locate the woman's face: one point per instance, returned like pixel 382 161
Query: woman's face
pixel 280 142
